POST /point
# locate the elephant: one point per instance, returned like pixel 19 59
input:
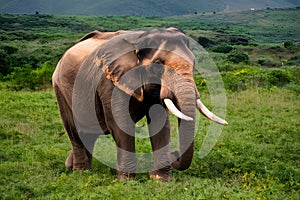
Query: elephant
pixel 131 72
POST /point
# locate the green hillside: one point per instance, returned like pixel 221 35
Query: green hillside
pixel 263 26
pixel 271 25
pixel 31 45
pixel 136 7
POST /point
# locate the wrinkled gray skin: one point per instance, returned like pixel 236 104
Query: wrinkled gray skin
pixel 173 73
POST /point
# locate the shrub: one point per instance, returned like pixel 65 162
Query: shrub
pixel 237 57
pixel 24 35
pixel 288 44
pixel 269 63
pixel 228 66
pixel 43 76
pixel 295 72
pixel 10 49
pixel 20 78
pixel 6 59
pixel 261 61
pixel 279 77
pixel 4 64
pixel 246 78
pixel 223 48
pixel 295 60
pixel 26 78
pixel 199 80
pixel 238 40
pixel 205 42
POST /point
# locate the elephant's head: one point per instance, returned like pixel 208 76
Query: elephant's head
pixel 157 66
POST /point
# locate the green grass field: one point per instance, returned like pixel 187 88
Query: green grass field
pixel 257 156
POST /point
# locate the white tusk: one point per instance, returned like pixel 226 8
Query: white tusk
pixel 172 108
pixel 207 113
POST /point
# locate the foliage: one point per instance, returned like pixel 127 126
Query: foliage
pixel 238 40
pixel 24 77
pixel 205 42
pixel 223 48
pixel 29 41
pixel 5 61
pixel 254 77
pixel 288 44
pixel 295 60
pixel 237 57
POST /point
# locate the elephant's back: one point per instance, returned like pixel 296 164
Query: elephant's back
pixel 68 66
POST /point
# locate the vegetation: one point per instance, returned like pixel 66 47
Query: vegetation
pixel 257 156
pixel 223 48
pixel 32 43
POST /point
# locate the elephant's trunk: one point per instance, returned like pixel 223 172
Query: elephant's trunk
pixel 186 102
pixel 185 96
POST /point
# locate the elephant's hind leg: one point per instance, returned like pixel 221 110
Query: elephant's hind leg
pixel 79 158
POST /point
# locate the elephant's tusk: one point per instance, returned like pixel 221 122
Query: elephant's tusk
pixel 172 108
pixel 207 113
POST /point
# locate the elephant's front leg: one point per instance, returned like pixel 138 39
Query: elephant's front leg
pixel 159 130
pixel 126 158
pixel 122 129
pixel 120 125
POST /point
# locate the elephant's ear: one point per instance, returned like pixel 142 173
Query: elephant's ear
pixel 120 65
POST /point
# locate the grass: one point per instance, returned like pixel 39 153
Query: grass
pixel 255 158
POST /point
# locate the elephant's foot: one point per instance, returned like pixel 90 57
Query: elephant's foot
pixel 78 162
pixel 125 175
pixel 69 161
pixel 161 175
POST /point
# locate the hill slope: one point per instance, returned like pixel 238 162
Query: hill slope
pixel 136 7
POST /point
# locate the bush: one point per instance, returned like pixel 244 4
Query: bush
pixel 199 80
pixel 205 42
pixel 20 78
pixel 43 76
pixel 246 78
pixel 288 44
pixel 24 35
pixel 295 60
pixel 237 57
pixel 27 78
pixel 228 66
pixel 4 64
pixel 279 77
pixel 238 40
pixel 269 63
pixel 223 48
pixel 6 59
pixel 9 49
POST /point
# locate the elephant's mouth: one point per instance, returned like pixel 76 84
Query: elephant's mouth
pixel 152 90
